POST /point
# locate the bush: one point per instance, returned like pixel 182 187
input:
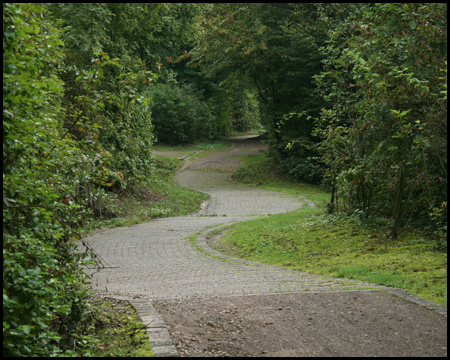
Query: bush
pixel 180 115
pixel 384 131
pixel 294 149
pixel 41 274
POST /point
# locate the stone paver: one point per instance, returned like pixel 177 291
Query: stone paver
pixel 156 261
pixel 232 199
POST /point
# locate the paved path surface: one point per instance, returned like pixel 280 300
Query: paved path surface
pixel 156 260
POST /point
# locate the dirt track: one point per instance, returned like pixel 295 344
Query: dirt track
pixel 305 324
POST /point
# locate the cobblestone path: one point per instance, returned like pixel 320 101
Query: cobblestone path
pixel 156 260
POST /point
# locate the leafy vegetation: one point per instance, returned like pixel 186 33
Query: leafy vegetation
pixel 273 47
pixel 118 329
pixel 180 115
pixel 41 274
pixel 156 198
pixel 384 132
pixel 353 95
pixel 76 135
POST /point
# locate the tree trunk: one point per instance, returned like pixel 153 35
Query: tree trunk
pixel 398 208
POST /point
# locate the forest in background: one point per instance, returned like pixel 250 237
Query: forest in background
pixel 352 96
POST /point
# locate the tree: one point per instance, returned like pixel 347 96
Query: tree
pixel 384 131
pixel 104 77
pixel 113 54
pixel 275 48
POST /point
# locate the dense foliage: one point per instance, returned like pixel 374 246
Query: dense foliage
pixel 41 277
pixel 384 133
pixel 353 94
pixel 76 128
pixel 180 115
pixel 274 49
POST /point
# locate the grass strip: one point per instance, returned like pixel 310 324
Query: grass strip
pixel 118 330
pixel 340 246
pixel 158 197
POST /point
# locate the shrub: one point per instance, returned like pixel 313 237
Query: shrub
pixel 180 115
pixel 41 275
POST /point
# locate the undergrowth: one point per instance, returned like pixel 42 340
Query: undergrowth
pixel 118 329
pixel 158 197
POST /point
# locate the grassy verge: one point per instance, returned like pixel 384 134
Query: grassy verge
pixel 257 131
pixel 308 240
pixel 213 145
pixel 156 198
pixel 259 170
pixel 118 330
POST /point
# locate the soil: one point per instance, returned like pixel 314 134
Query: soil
pixel 369 323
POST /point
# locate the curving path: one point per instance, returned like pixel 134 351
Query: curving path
pixel 155 260
pixel 156 263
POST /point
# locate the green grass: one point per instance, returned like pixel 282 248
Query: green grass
pixel 258 131
pixel 118 330
pixel 308 240
pixel 212 145
pixel 261 171
pixel 156 198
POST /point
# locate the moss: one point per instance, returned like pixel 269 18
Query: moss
pixel 310 241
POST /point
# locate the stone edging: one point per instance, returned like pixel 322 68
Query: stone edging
pixel 158 333
pixel 155 327
pixel 440 309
